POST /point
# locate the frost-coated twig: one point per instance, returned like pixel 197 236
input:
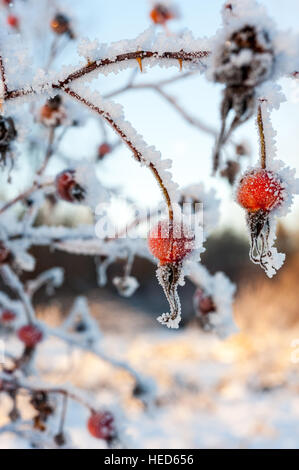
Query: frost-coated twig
pixel 11 280
pixel 24 195
pixel 260 125
pixel 126 139
pixel 3 76
pixel 102 63
pixel 49 151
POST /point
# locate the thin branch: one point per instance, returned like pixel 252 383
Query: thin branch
pixel 25 195
pixel 260 125
pixel 157 87
pixel 137 154
pixel 3 76
pixel 162 83
pixel 49 151
pixel 98 64
pixel 190 119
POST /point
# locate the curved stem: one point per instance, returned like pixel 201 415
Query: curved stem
pixel 137 154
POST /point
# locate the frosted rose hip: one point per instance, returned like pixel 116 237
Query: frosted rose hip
pixel 169 243
pixel 101 425
pixel 260 189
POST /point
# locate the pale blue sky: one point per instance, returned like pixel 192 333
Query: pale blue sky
pixel 157 121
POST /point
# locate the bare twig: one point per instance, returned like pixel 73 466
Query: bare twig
pixel 24 195
pixel 3 76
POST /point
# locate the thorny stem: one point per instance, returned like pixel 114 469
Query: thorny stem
pixel 260 125
pixel 98 64
pixel 137 154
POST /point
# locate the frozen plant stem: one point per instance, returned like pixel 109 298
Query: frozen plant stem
pixel 260 125
pixel 137 154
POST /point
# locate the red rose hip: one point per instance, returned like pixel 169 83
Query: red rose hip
pixel 68 188
pixel 7 317
pixel 30 335
pixel 170 242
pixel 104 149
pixel 13 21
pixel 160 14
pixel 101 425
pixel 260 189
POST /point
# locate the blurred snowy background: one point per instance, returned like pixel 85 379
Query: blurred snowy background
pixel 241 392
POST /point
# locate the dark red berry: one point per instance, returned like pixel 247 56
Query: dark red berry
pixel 30 335
pixel 104 149
pixel 5 254
pixel 60 24
pixel 7 316
pixel 101 425
pixel 203 302
pixel 67 187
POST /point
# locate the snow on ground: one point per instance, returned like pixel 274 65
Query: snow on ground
pixel 237 393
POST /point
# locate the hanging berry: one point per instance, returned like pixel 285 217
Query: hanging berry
pixel 60 24
pixel 160 14
pixel 259 192
pixel 245 60
pixel 53 114
pixel 67 187
pixel 170 242
pixel 103 150
pixel 13 21
pixel 101 425
pixel 30 335
pixel 7 317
